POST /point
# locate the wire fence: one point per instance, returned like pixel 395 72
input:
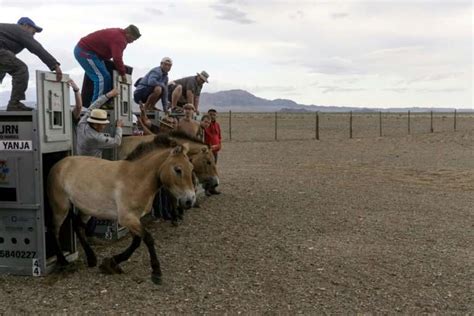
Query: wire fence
pixel 252 126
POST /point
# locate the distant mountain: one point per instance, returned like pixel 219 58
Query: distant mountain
pixel 243 101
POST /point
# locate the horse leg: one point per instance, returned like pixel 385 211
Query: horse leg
pixel 155 264
pixel 79 227
pixel 60 208
pixel 111 265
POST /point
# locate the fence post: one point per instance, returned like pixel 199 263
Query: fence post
pixel 230 124
pixel 431 128
pixel 455 119
pixel 276 125
pixel 317 126
pixel 409 122
pixel 380 123
pixel 350 125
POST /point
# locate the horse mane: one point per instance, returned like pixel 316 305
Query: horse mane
pixel 162 141
pixel 159 141
pixel 185 136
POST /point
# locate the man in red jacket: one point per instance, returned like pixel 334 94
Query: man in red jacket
pixel 93 49
pixel 212 137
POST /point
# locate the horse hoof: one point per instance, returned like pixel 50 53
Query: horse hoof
pixel 156 279
pixel 109 267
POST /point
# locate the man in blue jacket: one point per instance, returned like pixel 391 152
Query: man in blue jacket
pixel 13 39
pixel 154 86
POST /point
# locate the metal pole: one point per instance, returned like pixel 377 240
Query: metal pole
pixel 455 112
pixel 350 125
pixel 431 128
pixel 276 125
pixel 409 122
pixel 230 125
pixel 317 125
pixel 380 123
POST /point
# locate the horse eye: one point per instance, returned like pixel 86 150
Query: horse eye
pixel 177 170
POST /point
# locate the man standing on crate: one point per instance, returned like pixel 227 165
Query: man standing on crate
pixel 13 39
pixel 93 49
pixel 187 90
pixel 154 86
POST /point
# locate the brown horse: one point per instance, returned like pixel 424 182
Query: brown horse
pixel 118 190
pixel 199 153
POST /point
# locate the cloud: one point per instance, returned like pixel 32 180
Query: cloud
pixel 339 15
pixel 331 89
pixel 334 66
pixel 231 14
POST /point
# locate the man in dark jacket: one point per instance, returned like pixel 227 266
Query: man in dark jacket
pixel 13 39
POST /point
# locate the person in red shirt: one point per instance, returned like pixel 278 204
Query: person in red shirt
pixel 212 137
pixel 93 49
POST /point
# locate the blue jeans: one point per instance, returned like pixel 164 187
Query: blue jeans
pixel 95 70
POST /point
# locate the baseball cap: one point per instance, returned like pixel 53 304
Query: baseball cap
pixel 167 60
pixel 28 21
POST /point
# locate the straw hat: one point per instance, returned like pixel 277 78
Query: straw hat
pixel 98 116
pixel 204 75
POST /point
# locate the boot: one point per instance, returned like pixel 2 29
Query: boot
pixel 17 106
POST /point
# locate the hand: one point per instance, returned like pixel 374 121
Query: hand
pixel 112 93
pixel 119 123
pixel 123 78
pixel 72 84
pixel 59 73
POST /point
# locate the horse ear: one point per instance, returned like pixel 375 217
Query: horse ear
pixel 184 148
pixel 204 149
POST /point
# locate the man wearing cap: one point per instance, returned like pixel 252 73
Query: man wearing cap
pixel 154 86
pixel 187 90
pixel 91 139
pixel 13 39
pixel 93 49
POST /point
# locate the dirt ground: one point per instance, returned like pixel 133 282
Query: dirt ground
pixel 364 225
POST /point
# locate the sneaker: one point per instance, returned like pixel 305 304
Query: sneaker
pixel 109 105
pixel 18 106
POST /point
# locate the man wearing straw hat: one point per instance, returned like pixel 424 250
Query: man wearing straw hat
pixel 91 139
pixel 187 90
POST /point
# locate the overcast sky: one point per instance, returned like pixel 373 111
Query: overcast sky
pixel 344 53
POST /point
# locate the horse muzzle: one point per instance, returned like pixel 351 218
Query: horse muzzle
pixel 210 182
pixel 187 201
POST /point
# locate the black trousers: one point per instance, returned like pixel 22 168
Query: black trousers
pixel 10 64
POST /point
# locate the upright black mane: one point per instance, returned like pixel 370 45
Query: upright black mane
pixel 161 141
pixel 183 135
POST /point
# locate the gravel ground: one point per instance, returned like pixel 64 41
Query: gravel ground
pixel 370 225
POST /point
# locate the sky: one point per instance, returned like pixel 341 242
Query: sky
pixel 374 53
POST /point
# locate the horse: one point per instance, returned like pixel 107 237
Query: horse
pixel 118 190
pixel 199 153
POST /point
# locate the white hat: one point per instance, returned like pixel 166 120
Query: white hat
pixel 167 60
pixel 98 116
